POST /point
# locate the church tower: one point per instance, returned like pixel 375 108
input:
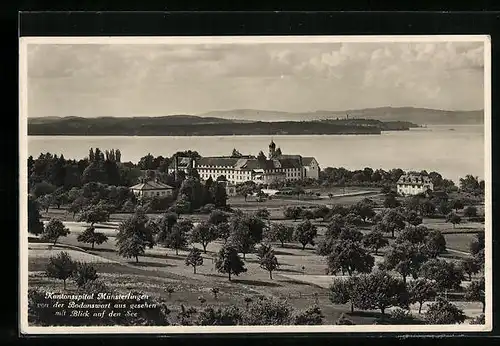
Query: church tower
pixel 272 150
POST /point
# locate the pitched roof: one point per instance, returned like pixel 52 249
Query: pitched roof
pixel 151 185
pixel 290 163
pixel 220 161
pixel 306 161
pixel 415 179
pixel 183 162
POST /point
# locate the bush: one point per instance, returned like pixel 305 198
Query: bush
pixel 84 273
pixel 478 320
pixel 344 321
pixel 220 316
pixel 207 208
pixel 309 316
pixel 401 316
pixel 444 312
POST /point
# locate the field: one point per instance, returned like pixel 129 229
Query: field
pixel 301 278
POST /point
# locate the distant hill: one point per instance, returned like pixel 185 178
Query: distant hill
pixel 188 125
pixel 77 122
pixel 420 116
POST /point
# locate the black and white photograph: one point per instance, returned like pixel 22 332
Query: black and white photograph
pixel 256 183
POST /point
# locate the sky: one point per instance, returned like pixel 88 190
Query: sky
pixel 122 80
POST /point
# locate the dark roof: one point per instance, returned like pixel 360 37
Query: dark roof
pixel 415 179
pixel 290 163
pixel 183 162
pixel 151 185
pixel 223 161
pixel 306 161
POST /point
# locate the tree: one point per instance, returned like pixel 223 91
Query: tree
pixel 470 211
pixel 35 226
pixel 310 316
pixel 267 259
pixel 223 231
pixel 268 311
pixel 77 205
pixel 348 256
pixel 305 232
pixel 45 201
pixel 364 209
pixel 477 244
pixel 420 291
pixel 405 258
pixel 280 232
pixel 217 217
pixel 220 194
pixel 342 291
pixel 435 243
pixel 469 183
pixel 413 235
pixel 453 218
pixel 375 240
pixel 134 236
pixel 215 291
pixel 298 190
pixel 380 290
pixel 194 259
pixel 204 233
pixel 94 214
pixel 444 208
pixel 60 267
pixel 469 267
pixel 475 292
pixel 291 212
pixel 413 218
pixel 53 230
pixel 444 312
pixel 246 231
pixel 446 274
pixel 164 227
pixel 228 261
pixel 263 213
pixel 392 221
pixel 84 273
pixel 457 204
pixel 390 201
pixel 220 316
pixel 90 236
pixel 427 208
pixel 178 237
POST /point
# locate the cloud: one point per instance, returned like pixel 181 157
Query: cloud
pixel 197 78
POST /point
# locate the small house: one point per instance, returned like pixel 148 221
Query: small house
pixel 414 184
pixel 152 188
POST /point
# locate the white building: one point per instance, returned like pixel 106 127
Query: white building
pixel 152 188
pixel 414 184
pixel 276 167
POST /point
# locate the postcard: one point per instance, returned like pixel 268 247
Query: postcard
pixel 255 184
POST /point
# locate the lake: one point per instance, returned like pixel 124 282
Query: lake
pixel 453 153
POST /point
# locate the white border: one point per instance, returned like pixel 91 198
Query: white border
pixel 23 156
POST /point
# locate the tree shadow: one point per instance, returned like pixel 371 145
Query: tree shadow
pixel 150 264
pixel 296 282
pixel 285 253
pixel 255 283
pixel 96 249
pixel 215 275
pixel 289 271
pixel 173 257
pixel 372 314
